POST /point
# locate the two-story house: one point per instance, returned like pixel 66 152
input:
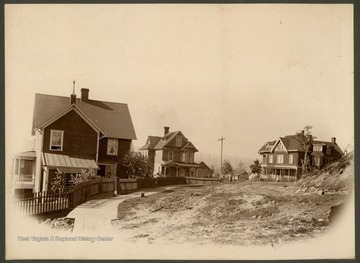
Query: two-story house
pixel 284 156
pixel 172 154
pixel 72 134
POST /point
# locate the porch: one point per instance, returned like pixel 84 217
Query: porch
pixel 23 177
pixel 178 169
pixel 280 173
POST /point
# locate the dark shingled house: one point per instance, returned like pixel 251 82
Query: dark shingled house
pixel 283 156
pixel 72 134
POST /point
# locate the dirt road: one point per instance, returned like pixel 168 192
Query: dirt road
pixel 247 213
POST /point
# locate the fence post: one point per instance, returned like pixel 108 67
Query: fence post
pixel 115 186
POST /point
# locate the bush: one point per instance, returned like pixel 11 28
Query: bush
pixel 137 165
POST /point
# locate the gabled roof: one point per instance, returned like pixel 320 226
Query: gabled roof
pixel 293 144
pixel 71 107
pixel 336 147
pixel 188 146
pixel 151 143
pixel 165 140
pixel 112 118
pixel 204 165
pixel 267 147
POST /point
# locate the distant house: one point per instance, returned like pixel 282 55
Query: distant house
pixel 173 155
pixel 205 172
pixel 72 134
pixel 284 155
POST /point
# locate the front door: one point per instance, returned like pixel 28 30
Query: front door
pixel 182 172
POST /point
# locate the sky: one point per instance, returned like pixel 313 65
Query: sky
pixel 248 72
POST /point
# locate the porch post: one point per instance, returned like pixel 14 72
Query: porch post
pixel 289 175
pixel 45 179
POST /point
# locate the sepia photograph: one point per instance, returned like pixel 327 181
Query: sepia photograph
pixel 179 131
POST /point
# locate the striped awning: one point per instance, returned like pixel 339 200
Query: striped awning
pixel 66 163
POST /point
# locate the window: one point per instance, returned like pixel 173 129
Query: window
pixel 280 147
pixel 271 159
pixel 291 158
pixel 170 156
pixel 178 141
pixel 328 150
pixel 189 157
pixel 280 158
pixel 24 169
pixel 183 157
pixel 318 148
pixel 112 148
pixel 317 161
pixel 56 140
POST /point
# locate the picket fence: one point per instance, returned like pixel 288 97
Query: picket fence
pixel 44 202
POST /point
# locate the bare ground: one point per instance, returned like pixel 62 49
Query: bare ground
pixel 247 213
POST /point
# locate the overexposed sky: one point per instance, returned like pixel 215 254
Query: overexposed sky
pixel 248 72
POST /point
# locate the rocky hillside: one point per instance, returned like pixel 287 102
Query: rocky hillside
pixel 338 176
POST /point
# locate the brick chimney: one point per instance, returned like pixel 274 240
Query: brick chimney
pixel 166 130
pixel 333 139
pixel 73 95
pixel 84 95
pixel 73 99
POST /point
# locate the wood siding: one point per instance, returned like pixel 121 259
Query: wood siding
pixel 79 138
pixel 123 148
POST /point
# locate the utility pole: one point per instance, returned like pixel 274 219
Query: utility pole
pixel 222 141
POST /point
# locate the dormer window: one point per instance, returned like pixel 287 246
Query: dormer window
pixel 178 141
pixel 56 140
pixel 318 148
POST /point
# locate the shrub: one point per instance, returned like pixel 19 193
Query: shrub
pixel 137 165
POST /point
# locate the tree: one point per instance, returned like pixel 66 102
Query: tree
pixel 58 184
pixel 255 167
pixel 306 139
pixel 241 167
pixel 137 165
pixel 227 168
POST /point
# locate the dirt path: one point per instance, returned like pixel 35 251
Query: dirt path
pixel 250 213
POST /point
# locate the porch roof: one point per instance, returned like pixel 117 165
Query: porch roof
pixel 28 154
pixel 68 162
pixel 178 164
